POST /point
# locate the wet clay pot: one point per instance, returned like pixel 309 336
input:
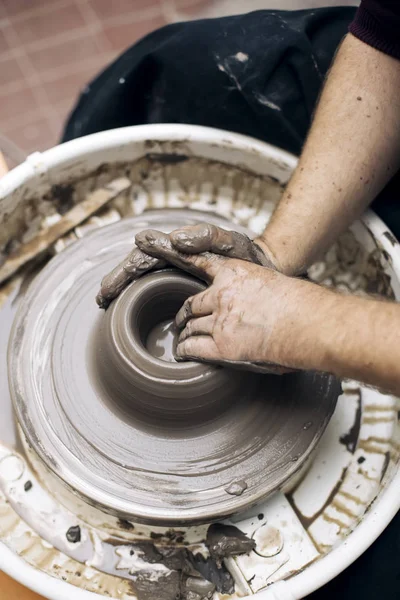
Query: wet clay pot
pixel 134 356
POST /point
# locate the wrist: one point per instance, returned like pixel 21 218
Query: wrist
pixel 307 333
pixel 274 259
pixel 284 258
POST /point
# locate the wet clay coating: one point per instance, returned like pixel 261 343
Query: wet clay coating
pixel 207 237
pixel 117 447
pixel 194 239
pixel 132 267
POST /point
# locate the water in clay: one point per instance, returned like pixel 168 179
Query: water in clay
pixel 162 341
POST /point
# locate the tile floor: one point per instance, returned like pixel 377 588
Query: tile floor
pixel 49 49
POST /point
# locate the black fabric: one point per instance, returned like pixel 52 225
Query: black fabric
pixel 377 23
pixel 197 73
pixel 258 74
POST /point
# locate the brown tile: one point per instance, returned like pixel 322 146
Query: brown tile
pixel 191 7
pixel 67 87
pixel 18 7
pixel 4 45
pixel 48 24
pixel 122 36
pixel 106 9
pixel 15 104
pixel 38 135
pixel 10 72
pixel 72 51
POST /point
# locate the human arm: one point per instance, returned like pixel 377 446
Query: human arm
pixel 352 150
pixel 255 315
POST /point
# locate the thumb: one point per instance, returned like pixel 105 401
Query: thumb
pixel 158 244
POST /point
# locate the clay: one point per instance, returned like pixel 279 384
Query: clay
pixel 151 388
pixel 210 238
pixel 132 267
pixel 121 423
pixel 166 587
pixel 350 439
pixel 226 540
pixel 167 158
pixel 201 587
pixel 63 197
pixel 126 525
pixel 27 486
pixel 215 573
pixel 189 575
pixel 237 488
pixel 74 534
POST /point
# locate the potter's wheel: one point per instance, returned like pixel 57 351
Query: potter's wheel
pixel 155 441
pixel 324 516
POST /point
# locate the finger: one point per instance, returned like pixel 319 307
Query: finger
pixel 196 306
pixel 159 245
pixel 206 237
pixel 133 266
pixel 201 326
pixel 199 347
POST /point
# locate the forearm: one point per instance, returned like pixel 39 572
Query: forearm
pixel 352 151
pixel 349 336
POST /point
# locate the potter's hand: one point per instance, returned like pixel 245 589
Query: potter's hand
pixel 190 240
pixel 243 319
pixel 132 267
pixel 205 237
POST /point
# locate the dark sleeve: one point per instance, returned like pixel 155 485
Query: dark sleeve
pixel 377 23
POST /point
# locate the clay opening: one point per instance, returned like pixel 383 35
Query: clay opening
pixel 155 322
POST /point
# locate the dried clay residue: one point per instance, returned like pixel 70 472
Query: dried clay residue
pixel 179 574
pixel 350 439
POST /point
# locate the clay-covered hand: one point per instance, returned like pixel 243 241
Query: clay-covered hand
pixel 193 239
pixel 245 317
pixel 205 237
pixel 132 267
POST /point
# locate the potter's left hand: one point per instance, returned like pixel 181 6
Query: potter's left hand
pixel 192 239
pixel 245 318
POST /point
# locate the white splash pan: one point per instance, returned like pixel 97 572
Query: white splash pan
pixel 331 514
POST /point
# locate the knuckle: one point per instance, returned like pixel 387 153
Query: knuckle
pixel 187 347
